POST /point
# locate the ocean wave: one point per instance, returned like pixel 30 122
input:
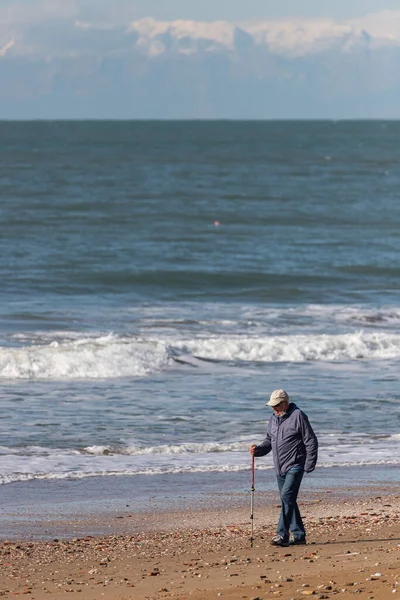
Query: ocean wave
pixel 149 471
pixel 296 348
pixel 112 356
pixel 178 469
pixel 360 316
pixel 337 450
pixel 103 357
pixel 336 444
pixel 173 449
pixel 336 441
pixel 245 316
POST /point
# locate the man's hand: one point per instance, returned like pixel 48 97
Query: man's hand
pixel 253 449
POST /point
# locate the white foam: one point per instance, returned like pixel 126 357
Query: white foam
pixel 112 356
pixel 296 348
pixel 100 461
pixel 85 358
pixel 192 448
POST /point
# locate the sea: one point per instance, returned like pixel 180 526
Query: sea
pixel 160 279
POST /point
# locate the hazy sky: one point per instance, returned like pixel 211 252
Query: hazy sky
pixel 230 10
pixel 249 9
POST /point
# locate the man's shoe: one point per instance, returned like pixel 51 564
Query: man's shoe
pixel 298 542
pixel 279 541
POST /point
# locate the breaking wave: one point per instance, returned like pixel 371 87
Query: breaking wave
pixel 336 450
pixel 112 356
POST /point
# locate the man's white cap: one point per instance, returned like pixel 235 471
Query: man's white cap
pixel 277 397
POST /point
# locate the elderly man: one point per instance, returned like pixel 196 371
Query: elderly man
pixel 294 448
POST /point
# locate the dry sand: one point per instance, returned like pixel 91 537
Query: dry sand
pixel 353 551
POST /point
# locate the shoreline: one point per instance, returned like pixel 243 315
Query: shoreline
pixel 46 509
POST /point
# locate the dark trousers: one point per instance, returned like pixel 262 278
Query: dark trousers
pixel 290 518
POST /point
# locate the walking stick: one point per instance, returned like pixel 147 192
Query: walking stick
pixel 252 502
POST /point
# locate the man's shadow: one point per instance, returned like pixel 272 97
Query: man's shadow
pixel 346 541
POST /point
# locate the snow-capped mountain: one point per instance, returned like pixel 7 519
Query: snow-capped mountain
pixel 291 38
pixel 150 68
pixel 283 38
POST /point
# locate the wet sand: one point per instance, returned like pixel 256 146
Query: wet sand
pixel 353 551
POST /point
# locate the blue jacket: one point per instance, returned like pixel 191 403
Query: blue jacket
pixel 292 441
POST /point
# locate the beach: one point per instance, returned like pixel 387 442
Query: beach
pixel 159 280
pixel 204 552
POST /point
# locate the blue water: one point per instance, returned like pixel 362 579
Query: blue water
pixel 160 279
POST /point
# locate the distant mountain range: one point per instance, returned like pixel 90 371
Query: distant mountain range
pixel 281 38
pixel 64 68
